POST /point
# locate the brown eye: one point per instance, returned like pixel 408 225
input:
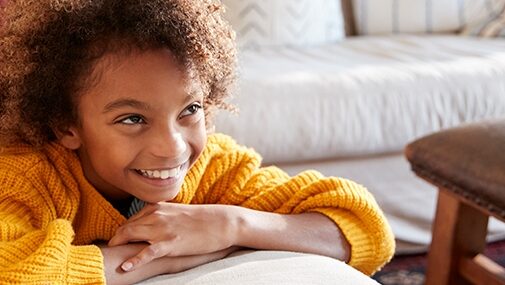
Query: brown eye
pixel 191 109
pixel 132 120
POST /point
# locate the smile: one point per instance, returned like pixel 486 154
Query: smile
pixel 161 173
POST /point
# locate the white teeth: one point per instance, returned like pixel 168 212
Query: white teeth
pixel 161 174
pixel 164 174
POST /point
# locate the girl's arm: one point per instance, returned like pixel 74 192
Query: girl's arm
pixel 347 204
pixel 238 179
pixel 307 232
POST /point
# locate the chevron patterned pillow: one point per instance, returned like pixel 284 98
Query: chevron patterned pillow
pixel 421 16
pixel 260 23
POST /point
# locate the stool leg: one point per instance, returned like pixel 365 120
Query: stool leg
pixel 459 230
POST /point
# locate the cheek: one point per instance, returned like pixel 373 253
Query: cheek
pixel 113 165
pixel 108 152
pixel 198 139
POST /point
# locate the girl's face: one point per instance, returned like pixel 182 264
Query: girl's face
pixel 141 127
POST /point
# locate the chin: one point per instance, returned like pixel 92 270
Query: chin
pixel 159 198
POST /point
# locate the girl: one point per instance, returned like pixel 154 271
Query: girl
pixel 106 161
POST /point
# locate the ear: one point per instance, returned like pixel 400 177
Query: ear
pixel 69 138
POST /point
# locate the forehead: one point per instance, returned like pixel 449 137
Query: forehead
pixel 128 63
pixel 137 71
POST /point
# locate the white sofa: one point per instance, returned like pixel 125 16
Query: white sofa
pixel 348 108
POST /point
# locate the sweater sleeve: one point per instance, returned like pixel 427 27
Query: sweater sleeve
pixel 241 181
pixel 36 250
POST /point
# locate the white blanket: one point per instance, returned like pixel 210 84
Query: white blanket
pixel 365 95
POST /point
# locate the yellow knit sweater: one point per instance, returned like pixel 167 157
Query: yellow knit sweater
pixel 50 214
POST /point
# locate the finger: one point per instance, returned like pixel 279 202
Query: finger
pixel 132 232
pixel 149 209
pixel 145 256
pixel 129 231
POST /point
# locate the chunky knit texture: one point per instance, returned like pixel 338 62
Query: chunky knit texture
pixel 50 214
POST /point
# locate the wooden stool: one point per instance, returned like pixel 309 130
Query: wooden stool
pixel 467 164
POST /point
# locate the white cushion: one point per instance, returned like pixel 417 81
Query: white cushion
pixel 268 267
pixel 365 95
pixel 420 16
pixel 261 23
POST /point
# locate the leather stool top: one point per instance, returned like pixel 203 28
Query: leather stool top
pixel 468 160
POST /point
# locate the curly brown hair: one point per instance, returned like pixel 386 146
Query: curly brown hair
pixel 48 48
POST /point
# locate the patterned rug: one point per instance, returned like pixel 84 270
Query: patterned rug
pixel 410 269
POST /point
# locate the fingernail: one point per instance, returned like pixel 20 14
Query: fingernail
pixel 127 266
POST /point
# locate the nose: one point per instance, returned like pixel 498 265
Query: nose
pixel 168 143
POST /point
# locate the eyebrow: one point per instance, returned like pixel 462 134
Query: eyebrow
pixel 120 103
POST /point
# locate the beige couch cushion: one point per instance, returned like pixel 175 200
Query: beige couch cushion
pixel 268 267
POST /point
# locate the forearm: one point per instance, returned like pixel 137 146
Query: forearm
pixel 115 256
pixel 308 232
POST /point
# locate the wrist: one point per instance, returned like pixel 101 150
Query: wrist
pixel 236 223
pixel 249 227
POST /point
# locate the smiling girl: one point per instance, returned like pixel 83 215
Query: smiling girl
pixel 108 164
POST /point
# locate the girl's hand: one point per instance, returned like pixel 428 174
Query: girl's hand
pixel 114 256
pixel 178 230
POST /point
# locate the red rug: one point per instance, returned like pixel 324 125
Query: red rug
pixel 410 269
